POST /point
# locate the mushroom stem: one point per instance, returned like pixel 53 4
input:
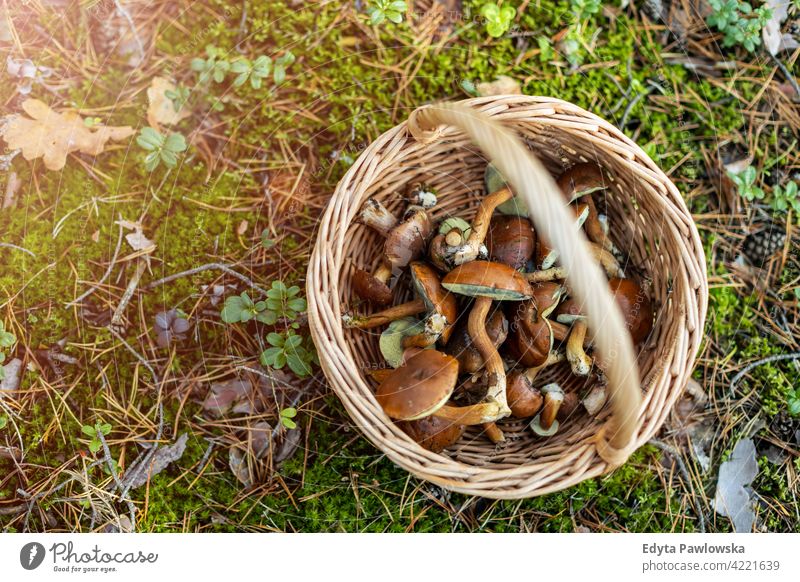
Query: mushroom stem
pixel 480 226
pixel 494 433
pixel 434 327
pixel 553 397
pixel 383 273
pixel 595 400
pixel 546 275
pixel 580 363
pixel 552 359
pixel 454 238
pixel 560 331
pixel 606 260
pixel 377 216
pixel 594 228
pixel 414 307
pixel 482 413
pixel 496 372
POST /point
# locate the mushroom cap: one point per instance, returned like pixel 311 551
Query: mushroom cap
pixel 568 311
pixel 437 299
pixel 546 297
pixel 420 387
pixel 371 289
pixel 461 347
pixel 391 340
pixel 636 307
pixel 532 342
pixel 486 279
pixel 581 179
pixel 546 256
pixel 433 433
pixel 510 240
pixel 523 399
pixel 406 241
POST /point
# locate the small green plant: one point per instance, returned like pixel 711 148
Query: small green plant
pixel 740 24
pixel 281 64
pixel 7 340
pixel 380 10
pixel 241 309
pixel 282 303
pixel 793 402
pixel 546 52
pixel 3 421
pixel 215 67
pixel 583 9
pixel 287 415
pixel 93 431
pixel 785 198
pixel 498 18
pixel 179 96
pixel 266 241
pixel 160 148
pixel 285 301
pixel 746 184
pixel 289 349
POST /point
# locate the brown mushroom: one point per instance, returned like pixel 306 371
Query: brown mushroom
pixel 441 305
pixel 636 307
pixel 373 287
pixel 581 180
pixel 488 281
pixel 470 360
pixel 420 387
pixel 432 432
pixel 420 194
pixel 545 423
pixel 405 240
pixel 524 399
pixel 480 226
pixel 511 241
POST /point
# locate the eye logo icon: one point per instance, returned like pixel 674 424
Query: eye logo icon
pixel 31 555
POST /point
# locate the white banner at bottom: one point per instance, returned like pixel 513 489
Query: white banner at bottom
pixel 407 557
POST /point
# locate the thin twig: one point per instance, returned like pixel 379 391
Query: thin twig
pixel 126 15
pixel 110 464
pixel 12 186
pixel 105 276
pixel 209 267
pixel 15 247
pixel 116 319
pixel 787 74
pixel 770 359
pixel 139 466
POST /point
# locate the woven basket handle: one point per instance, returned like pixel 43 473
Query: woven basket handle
pixel 551 217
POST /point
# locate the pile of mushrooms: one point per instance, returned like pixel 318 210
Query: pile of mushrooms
pixel 491 310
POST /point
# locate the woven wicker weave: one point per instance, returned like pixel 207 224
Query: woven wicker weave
pixel 447 146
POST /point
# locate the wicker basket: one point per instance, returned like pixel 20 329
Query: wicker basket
pixel 648 221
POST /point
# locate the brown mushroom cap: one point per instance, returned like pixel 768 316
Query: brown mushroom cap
pixel 523 399
pixel 419 387
pixel 433 433
pixel 531 342
pixel 546 297
pixel 371 289
pixel 567 311
pixel 406 241
pixel 486 279
pixel 511 240
pixel 461 347
pixel 581 179
pixel 437 299
pixel 636 307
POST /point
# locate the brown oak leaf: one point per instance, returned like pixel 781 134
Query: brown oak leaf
pixel 52 136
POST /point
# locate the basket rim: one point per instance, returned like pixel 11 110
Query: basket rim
pixel 337 360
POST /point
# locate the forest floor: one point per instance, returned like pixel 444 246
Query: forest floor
pixel 85 250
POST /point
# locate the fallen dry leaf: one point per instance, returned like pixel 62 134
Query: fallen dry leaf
pixel 503 85
pixel 52 136
pixel 161 110
pixel 774 40
pixel 733 497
